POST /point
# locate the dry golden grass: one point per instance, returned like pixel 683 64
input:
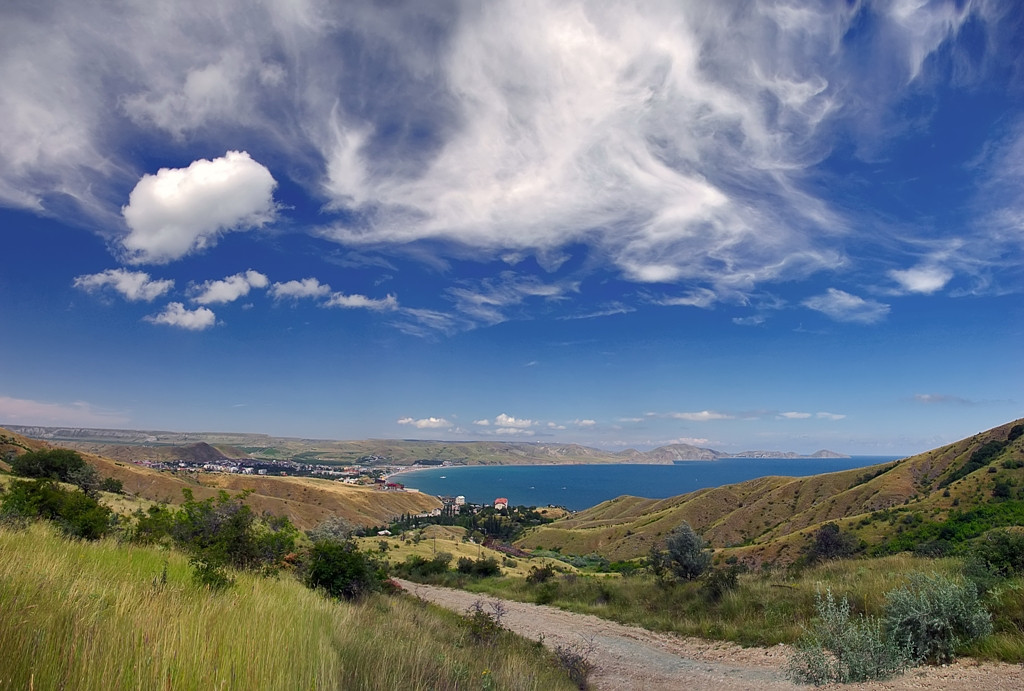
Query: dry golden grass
pixel 89 616
pixel 436 538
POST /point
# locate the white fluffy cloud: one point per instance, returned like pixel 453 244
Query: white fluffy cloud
pixel 796 415
pixel 133 285
pixel 504 420
pixel 182 210
pixel 425 423
pixel 306 288
pixel 176 314
pixel 229 289
pixel 922 279
pixel 844 307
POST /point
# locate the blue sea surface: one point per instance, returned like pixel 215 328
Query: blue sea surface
pixel 579 487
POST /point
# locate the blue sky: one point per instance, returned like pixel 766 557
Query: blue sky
pixel 777 225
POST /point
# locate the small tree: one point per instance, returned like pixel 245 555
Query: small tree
pixel 831 543
pixel 55 464
pixel 686 556
pixel 342 571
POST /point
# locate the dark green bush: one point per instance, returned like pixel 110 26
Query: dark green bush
pixel 541 574
pixel 112 485
pixel 342 571
pixel 77 514
pixel 55 464
pixel 482 567
pixel 418 567
pixel 717 582
pixel 934 616
pixel 685 558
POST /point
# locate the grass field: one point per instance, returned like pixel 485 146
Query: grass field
pixel 102 615
pixel 766 608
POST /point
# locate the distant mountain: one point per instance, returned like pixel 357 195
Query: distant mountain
pixel 158 445
pixel 772 518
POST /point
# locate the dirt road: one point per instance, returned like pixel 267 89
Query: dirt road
pixel 627 657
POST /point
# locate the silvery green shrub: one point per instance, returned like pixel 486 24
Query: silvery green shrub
pixel 934 616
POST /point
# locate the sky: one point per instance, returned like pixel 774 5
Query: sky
pixel 775 225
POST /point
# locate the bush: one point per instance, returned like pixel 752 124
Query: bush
pixel 485 626
pixel 416 566
pixel 718 582
pixel 540 574
pixel 342 571
pixel 333 528
pixel 482 567
pixel 574 658
pixel 934 616
pixel 841 649
pixel 55 464
pixel 831 543
pixel 77 515
pixel 685 556
pixel 112 485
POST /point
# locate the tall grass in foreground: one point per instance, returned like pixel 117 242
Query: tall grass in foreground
pixel 104 616
pixel 765 608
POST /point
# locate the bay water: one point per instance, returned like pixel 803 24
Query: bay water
pixel 578 487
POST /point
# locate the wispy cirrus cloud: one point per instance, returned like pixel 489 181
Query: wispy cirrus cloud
pixel 845 307
pixel 22 411
pixel 938 398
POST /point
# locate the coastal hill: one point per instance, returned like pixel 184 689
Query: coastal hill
pixel 773 518
pixel 305 501
pixel 127 445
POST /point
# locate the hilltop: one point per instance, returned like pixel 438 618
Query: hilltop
pixel 164 446
pixel 772 518
pixel 305 501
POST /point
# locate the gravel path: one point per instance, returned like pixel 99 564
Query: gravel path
pixel 627 657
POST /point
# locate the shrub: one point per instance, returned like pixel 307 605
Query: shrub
pixel 482 567
pixel 77 515
pixel 718 582
pixel 540 574
pixel 934 616
pixel 831 543
pixel 485 626
pixel 342 571
pixel 838 648
pixel 685 556
pixel 416 566
pixel 55 464
pixel 333 528
pixel 112 485
pixel 574 658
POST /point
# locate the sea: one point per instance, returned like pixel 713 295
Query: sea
pixel 578 487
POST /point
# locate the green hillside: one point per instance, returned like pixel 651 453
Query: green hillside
pixel 771 519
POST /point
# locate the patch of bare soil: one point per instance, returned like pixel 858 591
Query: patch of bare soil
pixel 627 657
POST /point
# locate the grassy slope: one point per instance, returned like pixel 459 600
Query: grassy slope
pixel 97 616
pixel 771 518
pixel 305 501
pixel 438 538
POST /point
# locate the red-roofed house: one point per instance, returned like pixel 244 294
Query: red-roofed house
pixel 501 503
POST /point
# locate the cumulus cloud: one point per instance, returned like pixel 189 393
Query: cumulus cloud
pixel 584 423
pixel 425 423
pixel 796 416
pixel 306 288
pixel 829 416
pixel 922 279
pixel 22 411
pixel 229 289
pixel 483 422
pixel 133 285
pixel 504 420
pixel 700 416
pixel 176 314
pixel 183 210
pixel 844 307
